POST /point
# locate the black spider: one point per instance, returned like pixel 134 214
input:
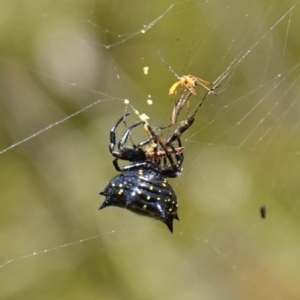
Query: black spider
pixel 142 187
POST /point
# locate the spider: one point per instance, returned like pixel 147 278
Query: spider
pixel 142 186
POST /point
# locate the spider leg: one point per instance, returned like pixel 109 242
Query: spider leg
pixel 170 171
pixel 146 142
pixel 183 126
pixel 200 103
pixel 116 165
pixel 174 166
pixel 125 153
pixel 139 145
pixel 178 155
pixel 132 142
pixel 187 123
pixel 128 153
pixel 113 133
pixel 145 165
pixel 126 134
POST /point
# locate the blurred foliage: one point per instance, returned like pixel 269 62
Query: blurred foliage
pixel 57 58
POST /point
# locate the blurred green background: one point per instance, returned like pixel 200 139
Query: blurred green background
pixel 59 57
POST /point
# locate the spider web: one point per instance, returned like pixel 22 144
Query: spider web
pixel 67 68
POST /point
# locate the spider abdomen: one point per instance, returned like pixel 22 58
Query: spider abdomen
pixel 145 192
